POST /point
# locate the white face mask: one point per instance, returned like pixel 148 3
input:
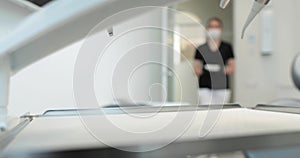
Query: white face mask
pixel 214 33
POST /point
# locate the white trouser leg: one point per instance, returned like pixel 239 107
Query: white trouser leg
pixel 221 96
pixel 208 96
pixel 205 96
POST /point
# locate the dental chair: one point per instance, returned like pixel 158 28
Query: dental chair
pixel 286 105
pixel 295 72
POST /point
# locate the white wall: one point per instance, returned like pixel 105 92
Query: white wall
pixel 48 84
pixel 261 79
pixel 206 9
pixel 129 69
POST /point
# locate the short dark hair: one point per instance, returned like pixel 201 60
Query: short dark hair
pixel 214 19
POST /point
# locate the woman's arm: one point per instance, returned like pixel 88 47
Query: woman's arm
pixel 230 67
pixel 197 67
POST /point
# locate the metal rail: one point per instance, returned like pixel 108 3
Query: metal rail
pixel 116 110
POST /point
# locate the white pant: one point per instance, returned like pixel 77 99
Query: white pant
pixel 210 96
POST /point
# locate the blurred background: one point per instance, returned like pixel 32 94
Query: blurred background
pixel 263 65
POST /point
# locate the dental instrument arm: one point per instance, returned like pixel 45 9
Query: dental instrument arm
pixel 258 5
pixel 224 3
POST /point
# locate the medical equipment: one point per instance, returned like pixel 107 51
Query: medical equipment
pixel 61 134
pixel 290 102
pixel 296 71
pixel 258 5
pixel 63 17
pixel 76 19
pixel 224 3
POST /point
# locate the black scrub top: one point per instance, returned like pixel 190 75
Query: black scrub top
pixel 213 65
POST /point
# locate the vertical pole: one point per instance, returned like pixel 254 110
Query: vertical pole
pixel 165 56
pixel 4 90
